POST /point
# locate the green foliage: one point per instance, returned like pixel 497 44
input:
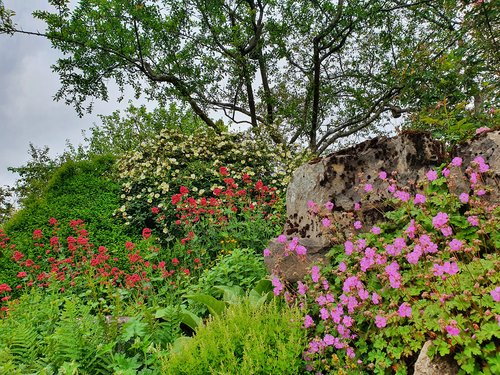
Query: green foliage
pixel 120 133
pixel 77 190
pixel 242 268
pixel 6 204
pixel 263 340
pixel 325 70
pixel 452 124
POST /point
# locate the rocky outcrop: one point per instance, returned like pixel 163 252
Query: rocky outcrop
pixel 351 181
pixel 437 366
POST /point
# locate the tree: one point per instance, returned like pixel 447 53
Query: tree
pixel 295 70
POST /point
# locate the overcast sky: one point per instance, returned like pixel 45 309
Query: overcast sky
pixel 27 86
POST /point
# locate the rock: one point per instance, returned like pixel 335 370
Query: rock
pixel 340 177
pixel 486 145
pixel 438 366
pixel 336 178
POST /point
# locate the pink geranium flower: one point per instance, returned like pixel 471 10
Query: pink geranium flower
pixel 380 321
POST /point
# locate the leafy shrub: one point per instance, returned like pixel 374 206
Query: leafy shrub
pixel 46 332
pixel 76 190
pixel 452 124
pixel 244 340
pixel 430 272
pixel 241 268
pixel 151 175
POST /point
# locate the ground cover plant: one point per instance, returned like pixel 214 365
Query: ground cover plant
pixel 431 271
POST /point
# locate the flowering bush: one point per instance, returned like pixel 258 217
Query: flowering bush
pixel 240 213
pixel 430 272
pixel 76 264
pixel 172 159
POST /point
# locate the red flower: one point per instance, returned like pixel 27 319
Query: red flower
pixel 176 198
pixel 129 245
pixel 146 233
pixel 184 190
pixel 52 221
pixel 175 261
pixel 37 234
pixel 17 256
pixel 4 288
pixel 22 274
pixel 223 171
pixel 155 210
pixel 197 260
pixel 217 192
pixel 186 271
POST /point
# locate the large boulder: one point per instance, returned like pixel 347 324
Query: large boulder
pixel 340 178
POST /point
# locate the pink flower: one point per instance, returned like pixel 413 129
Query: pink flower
pixel 312 206
pixel 350 352
pixel 368 187
pixel 456 162
pixel 326 222
pixel 281 238
pixel 405 310
pixel 382 175
pixel 302 288
pixel 358 225
pixel 375 230
pixel 473 220
pixel 456 245
pixel 495 293
pixel 440 220
pixel 375 298
pixel 482 130
pixel 419 199
pixel 324 314
pixel 301 250
pixel 391 188
pixel 380 321
pixel 446 231
pixel 308 321
pixel 342 267
pixel 452 329
pixel 464 197
pixel 480 192
pixel 431 175
pixel 315 273
pixel 410 231
pixel 402 195
pixel 328 340
pixel 329 205
pixel 349 247
pixel 278 287
pixel 266 253
pixel 357 206
pixel 445 172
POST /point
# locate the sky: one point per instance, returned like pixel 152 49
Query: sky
pixel 28 112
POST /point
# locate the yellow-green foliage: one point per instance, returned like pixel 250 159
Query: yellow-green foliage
pixel 245 340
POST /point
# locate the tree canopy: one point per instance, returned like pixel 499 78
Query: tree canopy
pixel 296 71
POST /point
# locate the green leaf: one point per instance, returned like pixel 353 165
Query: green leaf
pixel 132 328
pixel 215 307
pixel 191 320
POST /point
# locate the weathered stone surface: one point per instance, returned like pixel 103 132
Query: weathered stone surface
pixel 339 178
pixel 438 366
pixel 295 268
pixel 486 145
